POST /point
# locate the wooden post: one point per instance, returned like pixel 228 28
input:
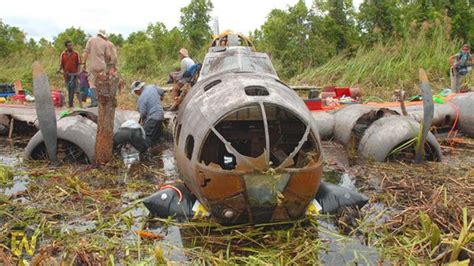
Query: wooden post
pixel 10 130
pixel 106 92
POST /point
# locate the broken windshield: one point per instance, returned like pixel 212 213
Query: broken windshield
pixel 237 62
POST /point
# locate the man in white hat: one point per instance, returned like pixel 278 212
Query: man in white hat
pixel 181 78
pixel 150 109
pixel 100 58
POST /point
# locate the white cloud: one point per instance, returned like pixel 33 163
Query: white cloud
pixel 46 18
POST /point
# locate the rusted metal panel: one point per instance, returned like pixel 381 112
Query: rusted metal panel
pixel 218 185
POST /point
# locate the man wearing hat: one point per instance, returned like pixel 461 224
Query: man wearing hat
pixel 150 109
pixel 180 78
pixel 100 58
pixel 461 64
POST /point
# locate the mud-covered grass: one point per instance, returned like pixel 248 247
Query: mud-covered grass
pixel 84 215
pixel 429 209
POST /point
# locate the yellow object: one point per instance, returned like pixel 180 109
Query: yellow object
pixel 199 211
pixel 3 100
pixel 313 208
pixel 159 256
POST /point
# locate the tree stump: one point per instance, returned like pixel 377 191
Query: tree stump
pixel 106 91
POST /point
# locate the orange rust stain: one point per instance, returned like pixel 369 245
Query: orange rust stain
pixel 216 185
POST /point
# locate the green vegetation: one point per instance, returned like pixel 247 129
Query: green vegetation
pixel 384 67
pixel 379 47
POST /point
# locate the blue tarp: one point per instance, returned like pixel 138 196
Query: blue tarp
pixel 7 94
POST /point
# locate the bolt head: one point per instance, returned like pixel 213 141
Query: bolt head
pixel 229 214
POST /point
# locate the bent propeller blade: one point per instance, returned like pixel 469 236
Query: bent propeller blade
pixel 428 112
pixel 45 110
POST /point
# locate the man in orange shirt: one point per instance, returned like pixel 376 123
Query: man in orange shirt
pixel 69 64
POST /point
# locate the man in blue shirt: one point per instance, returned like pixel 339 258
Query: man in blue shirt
pixel 150 109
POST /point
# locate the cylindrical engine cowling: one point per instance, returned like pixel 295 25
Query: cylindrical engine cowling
pixel 75 129
pixel 465 103
pixel 345 120
pixel 387 133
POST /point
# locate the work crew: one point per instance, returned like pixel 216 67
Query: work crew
pixel 182 77
pixel 69 65
pixel 150 109
pixel 100 58
pixel 460 65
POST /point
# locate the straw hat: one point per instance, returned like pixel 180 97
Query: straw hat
pixel 136 85
pixel 102 33
pixel 183 52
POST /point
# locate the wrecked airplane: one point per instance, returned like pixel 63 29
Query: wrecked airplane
pixel 247 147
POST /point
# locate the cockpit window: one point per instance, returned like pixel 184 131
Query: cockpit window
pixel 237 62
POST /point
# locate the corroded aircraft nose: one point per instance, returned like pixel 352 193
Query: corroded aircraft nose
pixel 260 163
pixel 246 145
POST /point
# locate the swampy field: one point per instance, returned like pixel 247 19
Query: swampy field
pixel 85 215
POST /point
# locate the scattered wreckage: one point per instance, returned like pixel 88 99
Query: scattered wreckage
pixel 247 148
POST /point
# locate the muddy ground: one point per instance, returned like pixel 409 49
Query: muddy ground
pixel 82 215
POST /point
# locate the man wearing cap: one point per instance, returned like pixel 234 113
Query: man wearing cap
pixel 100 55
pixel 150 109
pixel 180 78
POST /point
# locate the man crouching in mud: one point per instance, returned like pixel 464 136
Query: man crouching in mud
pixel 150 109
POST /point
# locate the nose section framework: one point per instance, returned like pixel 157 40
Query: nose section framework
pixel 255 154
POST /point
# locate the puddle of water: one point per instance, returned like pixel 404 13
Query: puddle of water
pixel 169 163
pixel 78 226
pixel 342 250
pixel 171 244
pixel 344 179
pixel 18 185
pixel 10 155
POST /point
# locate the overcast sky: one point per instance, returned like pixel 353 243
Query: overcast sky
pixel 46 18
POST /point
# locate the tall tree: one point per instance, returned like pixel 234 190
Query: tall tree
pixel 195 20
pixel 335 21
pixel 116 39
pixel 379 19
pixel 157 33
pixel 286 36
pixel 12 39
pixel 76 35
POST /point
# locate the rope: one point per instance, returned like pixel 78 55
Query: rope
pixel 452 134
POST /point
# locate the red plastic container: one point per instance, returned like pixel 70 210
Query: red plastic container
pixel 314 104
pixel 19 98
pixel 58 98
pixel 342 91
